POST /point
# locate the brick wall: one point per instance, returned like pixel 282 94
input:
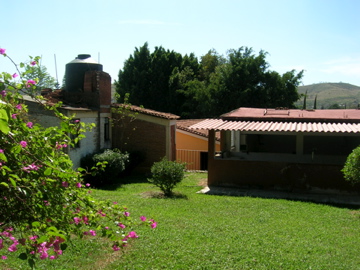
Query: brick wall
pixel 146 137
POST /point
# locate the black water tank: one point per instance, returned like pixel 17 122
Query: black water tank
pixel 75 72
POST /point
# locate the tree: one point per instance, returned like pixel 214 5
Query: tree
pixel 213 86
pixel 39 73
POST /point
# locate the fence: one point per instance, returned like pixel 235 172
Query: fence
pixel 195 159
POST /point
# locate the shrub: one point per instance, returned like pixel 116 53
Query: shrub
pixel 166 175
pixel 351 168
pixel 116 163
pixel 43 201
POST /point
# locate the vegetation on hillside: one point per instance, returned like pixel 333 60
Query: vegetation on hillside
pixel 330 95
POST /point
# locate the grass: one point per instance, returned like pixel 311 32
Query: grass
pixel 198 231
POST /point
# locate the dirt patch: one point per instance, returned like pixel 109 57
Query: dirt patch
pixel 203 182
pixel 160 195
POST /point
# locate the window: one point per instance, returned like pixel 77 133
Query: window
pixel 106 129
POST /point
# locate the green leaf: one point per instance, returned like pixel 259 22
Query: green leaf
pixel 13 182
pixel 35 224
pixel 4 126
pixel 48 171
pixel 52 228
pixel 31 263
pixel 3 114
pixel 3 157
pixel 22 256
pixel 4 184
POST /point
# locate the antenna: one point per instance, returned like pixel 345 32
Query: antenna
pixel 99 57
pixel 57 81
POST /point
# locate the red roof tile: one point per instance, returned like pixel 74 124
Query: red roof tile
pixel 139 109
pixel 270 126
pixel 295 115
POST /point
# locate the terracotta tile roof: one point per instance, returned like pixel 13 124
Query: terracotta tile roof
pixel 142 110
pixel 186 123
pixel 270 126
pixel 293 115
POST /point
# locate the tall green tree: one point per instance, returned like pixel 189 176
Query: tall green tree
pixel 167 81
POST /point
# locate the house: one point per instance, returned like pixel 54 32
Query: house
pixel 192 145
pixel 87 96
pixel 282 149
pixel 148 133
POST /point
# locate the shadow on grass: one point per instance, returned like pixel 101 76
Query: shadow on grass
pixel 161 195
pixel 121 180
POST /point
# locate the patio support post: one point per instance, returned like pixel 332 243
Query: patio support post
pixel 299 144
pixel 211 149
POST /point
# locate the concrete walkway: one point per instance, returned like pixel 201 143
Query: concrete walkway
pixel 338 199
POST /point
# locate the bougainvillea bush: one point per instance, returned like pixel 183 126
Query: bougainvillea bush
pixel 43 201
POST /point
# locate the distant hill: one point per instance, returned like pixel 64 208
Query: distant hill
pixel 343 94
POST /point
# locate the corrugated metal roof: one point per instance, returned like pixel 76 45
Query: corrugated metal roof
pixel 267 126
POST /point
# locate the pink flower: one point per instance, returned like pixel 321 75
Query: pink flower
pixel 78 185
pixel 33 237
pixel 29 124
pixel 1 151
pixel 65 184
pixel 85 219
pixel 77 220
pixel 23 144
pixel 19 106
pixel 31 82
pixel 76 121
pixel 87 184
pixel 44 255
pixel 13 116
pixel 3 257
pixel 12 248
pixel 106 228
pixel 31 167
pixel 52 257
pixel 33 63
pixel 122 226
pixel 93 233
pixel 142 218
pixel 153 225
pixel 2 51
pixel 115 248
pixel 3 93
pixel 14 75
pixel 133 234
pixel 126 214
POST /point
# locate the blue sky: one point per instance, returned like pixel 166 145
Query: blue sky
pixel 321 37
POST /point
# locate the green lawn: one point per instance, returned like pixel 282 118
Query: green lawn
pixel 198 231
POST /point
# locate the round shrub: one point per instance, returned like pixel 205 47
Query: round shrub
pixel 351 168
pixel 116 163
pixel 166 175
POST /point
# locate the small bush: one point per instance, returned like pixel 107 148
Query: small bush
pixel 166 175
pixel 116 164
pixel 351 168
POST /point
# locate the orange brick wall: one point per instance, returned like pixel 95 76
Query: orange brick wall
pixel 146 137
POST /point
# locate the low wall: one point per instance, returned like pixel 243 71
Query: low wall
pixel 317 178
